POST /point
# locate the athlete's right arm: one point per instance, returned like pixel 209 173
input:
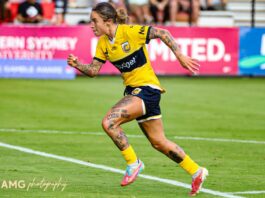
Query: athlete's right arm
pixel 90 70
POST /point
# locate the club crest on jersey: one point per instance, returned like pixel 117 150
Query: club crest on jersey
pixel 136 91
pixel 126 46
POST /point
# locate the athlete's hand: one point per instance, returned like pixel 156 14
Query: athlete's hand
pixel 189 63
pixel 72 60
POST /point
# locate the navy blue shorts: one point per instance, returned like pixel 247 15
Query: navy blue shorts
pixel 151 98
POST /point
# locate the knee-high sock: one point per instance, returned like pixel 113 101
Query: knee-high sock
pixel 189 165
pixel 129 155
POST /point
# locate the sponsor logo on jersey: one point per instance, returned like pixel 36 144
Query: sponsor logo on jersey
pixel 132 61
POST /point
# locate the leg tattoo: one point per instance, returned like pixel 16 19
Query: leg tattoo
pixel 121 141
pixel 123 102
pixel 115 118
pixel 175 156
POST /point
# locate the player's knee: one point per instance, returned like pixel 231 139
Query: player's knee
pixel 105 124
pixel 159 144
pixel 108 124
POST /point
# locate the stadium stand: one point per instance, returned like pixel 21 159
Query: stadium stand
pixel 237 13
pixel 241 10
pixel 216 19
pixel 80 12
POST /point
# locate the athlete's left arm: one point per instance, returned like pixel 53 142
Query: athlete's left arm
pixel 90 70
pixel 187 62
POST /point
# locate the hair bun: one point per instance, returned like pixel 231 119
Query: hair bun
pixel 122 16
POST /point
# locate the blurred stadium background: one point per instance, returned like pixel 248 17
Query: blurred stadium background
pixel 51 141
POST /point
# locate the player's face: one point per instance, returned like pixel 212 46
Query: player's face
pixel 98 25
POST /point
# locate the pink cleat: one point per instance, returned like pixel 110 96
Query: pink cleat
pixel 131 173
pixel 197 181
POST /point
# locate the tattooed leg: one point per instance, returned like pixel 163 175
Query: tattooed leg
pixel 176 154
pixel 121 140
pixel 153 130
pixel 115 131
pixel 127 109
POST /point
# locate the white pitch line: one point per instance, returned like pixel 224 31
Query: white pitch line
pixel 248 192
pixel 219 140
pixel 107 168
pixel 49 131
pixel 132 136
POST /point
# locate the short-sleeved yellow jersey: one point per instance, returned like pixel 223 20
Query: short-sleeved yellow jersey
pixel 128 53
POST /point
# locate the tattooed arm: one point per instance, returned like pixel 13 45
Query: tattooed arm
pixel 187 62
pixel 90 70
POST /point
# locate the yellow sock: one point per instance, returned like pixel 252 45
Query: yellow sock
pixel 189 165
pixel 129 155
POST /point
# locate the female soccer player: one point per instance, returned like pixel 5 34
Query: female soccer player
pixel 124 46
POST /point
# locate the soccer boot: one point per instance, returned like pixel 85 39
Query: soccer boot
pixel 197 181
pixel 132 172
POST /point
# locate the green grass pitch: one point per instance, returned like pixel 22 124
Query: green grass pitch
pixel 214 108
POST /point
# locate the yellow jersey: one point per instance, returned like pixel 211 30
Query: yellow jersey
pixel 128 53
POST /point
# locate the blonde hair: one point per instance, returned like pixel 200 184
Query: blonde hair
pixel 107 11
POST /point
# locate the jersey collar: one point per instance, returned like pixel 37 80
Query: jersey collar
pixel 114 38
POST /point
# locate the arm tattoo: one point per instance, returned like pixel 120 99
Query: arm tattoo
pixel 89 69
pixel 166 37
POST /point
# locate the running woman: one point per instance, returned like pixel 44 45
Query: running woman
pixel 125 47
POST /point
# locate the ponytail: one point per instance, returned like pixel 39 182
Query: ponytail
pixel 122 16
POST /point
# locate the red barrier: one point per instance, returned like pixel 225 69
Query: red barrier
pixel 215 48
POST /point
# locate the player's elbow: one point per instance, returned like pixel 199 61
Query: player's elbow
pixel 92 74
